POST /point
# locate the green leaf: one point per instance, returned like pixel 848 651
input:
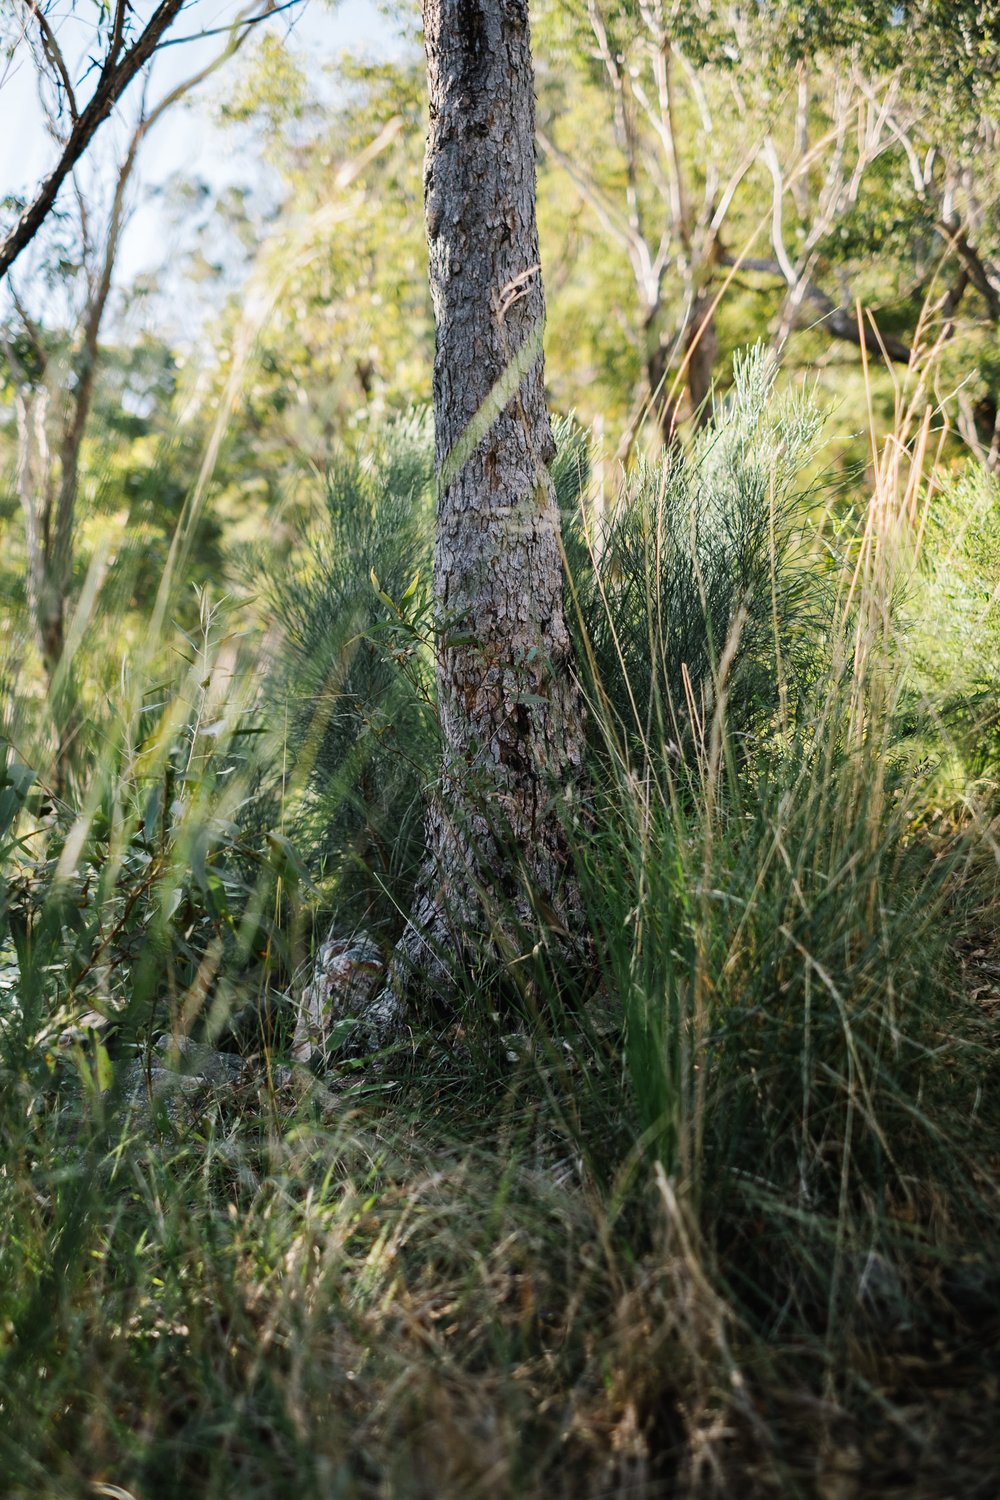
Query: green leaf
pixel 104 1072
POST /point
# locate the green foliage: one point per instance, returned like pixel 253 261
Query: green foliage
pixel 955 676
pixel 353 675
pixel 143 905
pixel 721 1167
pixel 272 90
pixel 776 939
pixel 707 1207
pixel 700 582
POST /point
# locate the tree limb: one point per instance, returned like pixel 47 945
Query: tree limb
pixel 983 276
pixel 609 217
pixel 834 317
pixel 52 50
pixel 115 78
pixel 273 9
pixel 85 363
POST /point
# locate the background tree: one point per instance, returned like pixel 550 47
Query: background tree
pixel 742 165
pixel 52 369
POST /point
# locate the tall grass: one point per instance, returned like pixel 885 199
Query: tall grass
pixel 708 1213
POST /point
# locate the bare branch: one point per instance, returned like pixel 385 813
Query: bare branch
pixel 605 210
pixel 800 188
pixel 624 134
pixel 697 91
pixel 273 9
pixel 118 30
pixel 901 135
pixel 114 80
pixel 833 316
pixel 34 336
pixel 729 192
pixel 53 52
pixel 984 276
pixel 85 362
pixel 769 156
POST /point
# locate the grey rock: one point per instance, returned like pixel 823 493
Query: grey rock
pixel 346 974
pixel 183 1080
pixel 879 1289
pixel 90 1024
pixel 150 1092
pixel 193 1059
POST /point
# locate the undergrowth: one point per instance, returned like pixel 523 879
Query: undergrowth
pixel 711 1213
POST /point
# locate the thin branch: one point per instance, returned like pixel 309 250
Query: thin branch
pixel 118 31
pixel 33 333
pixel 833 316
pixel 624 134
pixel 732 186
pixel 200 36
pixel 251 16
pixel 86 360
pixel 53 52
pixel 608 215
pixel 800 191
pixel 984 277
pixel 700 97
pixel 902 136
pixel 114 80
pixel 769 156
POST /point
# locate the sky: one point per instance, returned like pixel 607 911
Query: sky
pixel 186 139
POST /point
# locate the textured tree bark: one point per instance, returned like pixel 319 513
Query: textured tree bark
pixel 510 709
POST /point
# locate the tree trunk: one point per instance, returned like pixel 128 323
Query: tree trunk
pixel 663 406
pixel 699 367
pixel 701 347
pixel 47 584
pixel 510 710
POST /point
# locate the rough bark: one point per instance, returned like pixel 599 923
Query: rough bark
pixel 510 713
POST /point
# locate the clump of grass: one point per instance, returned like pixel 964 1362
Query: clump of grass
pixel 703 557
pixel 353 673
pixel 773 929
pixel 362 1309
pixel 953 687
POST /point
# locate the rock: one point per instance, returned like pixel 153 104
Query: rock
pixel 92 1023
pixel 185 1080
pixel 879 1290
pixel 148 1091
pixel 347 973
pixel 194 1059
